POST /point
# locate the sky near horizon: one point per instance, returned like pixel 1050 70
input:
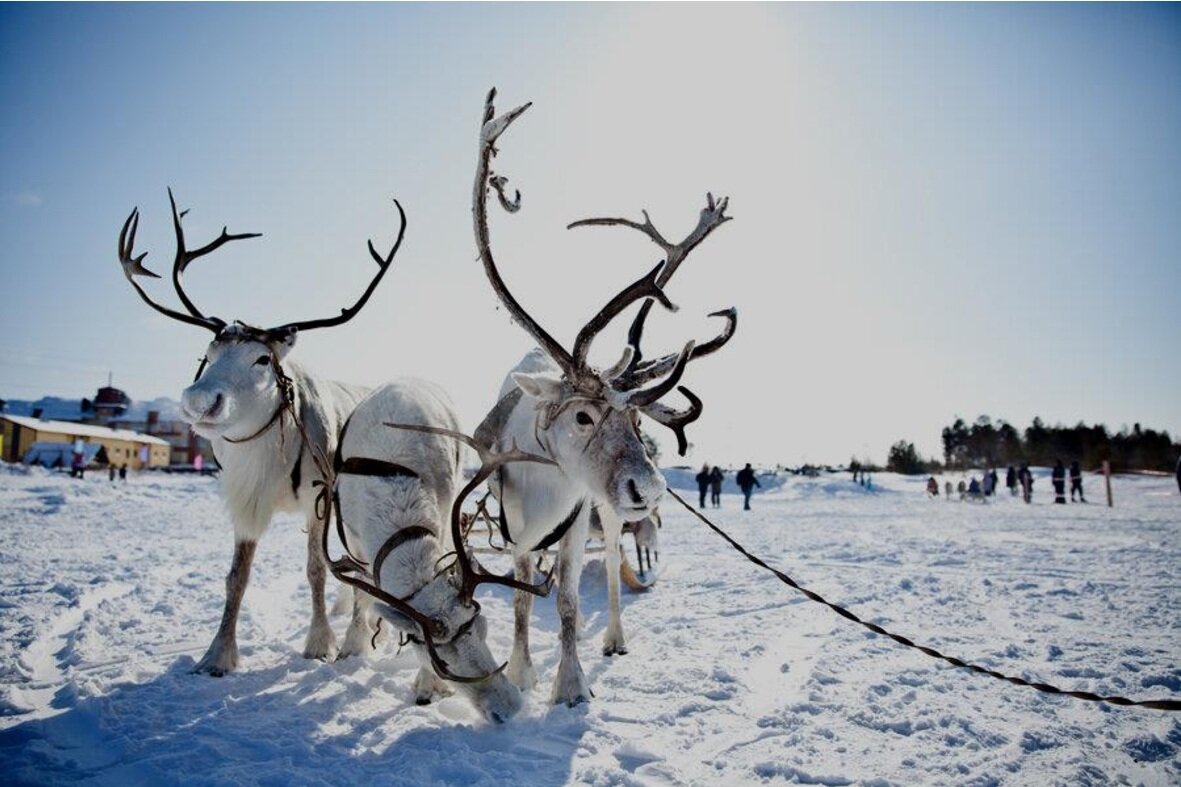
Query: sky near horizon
pixel 939 210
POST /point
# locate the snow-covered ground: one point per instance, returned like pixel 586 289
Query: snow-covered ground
pixel 110 592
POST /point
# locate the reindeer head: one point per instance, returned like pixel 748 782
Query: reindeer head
pixel 588 419
pixel 461 646
pixel 240 388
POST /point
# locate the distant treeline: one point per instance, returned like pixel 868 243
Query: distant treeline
pixel 986 443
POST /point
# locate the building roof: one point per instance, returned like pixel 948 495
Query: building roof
pixel 82 430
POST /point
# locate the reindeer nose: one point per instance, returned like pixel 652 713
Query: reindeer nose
pixel 213 409
pixel 634 492
pixel 202 405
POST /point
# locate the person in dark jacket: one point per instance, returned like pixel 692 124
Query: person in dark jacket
pixel 1011 480
pixel 702 485
pixel 747 483
pixel 1026 479
pixel 716 477
pixel 1058 476
pixel 1076 482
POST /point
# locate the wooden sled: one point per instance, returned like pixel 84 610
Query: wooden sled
pixel 479 528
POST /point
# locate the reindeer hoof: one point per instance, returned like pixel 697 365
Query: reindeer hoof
pixel 422 700
pixel 320 644
pixel 218 662
pixel 614 650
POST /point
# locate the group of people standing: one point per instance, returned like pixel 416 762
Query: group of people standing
pixel 1021 478
pixel 711 481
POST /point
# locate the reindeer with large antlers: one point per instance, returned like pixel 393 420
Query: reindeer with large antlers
pixel 271 424
pixel 586 421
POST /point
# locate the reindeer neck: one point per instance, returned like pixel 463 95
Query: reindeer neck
pixel 544 493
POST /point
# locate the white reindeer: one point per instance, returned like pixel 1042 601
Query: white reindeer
pixel 585 420
pixel 394 490
pixel 269 421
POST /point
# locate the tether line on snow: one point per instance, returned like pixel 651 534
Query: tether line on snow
pixel 1161 704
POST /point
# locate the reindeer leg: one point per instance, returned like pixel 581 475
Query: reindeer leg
pixel 428 686
pixel 344 601
pixel 613 639
pixel 570 686
pixel 520 666
pixel 222 656
pixel 358 640
pixel 640 559
pixel 321 642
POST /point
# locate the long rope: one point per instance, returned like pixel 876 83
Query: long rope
pixel 1167 705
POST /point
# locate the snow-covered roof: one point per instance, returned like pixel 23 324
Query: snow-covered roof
pixel 82 430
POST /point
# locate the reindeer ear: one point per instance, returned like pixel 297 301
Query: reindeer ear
pixel 539 386
pixel 281 343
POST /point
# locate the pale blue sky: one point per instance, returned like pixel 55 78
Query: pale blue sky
pixel 939 210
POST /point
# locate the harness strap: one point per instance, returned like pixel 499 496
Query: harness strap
pixel 297 474
pixel 561 529
pixel 404 535
pixel 379 468
pixel 276 416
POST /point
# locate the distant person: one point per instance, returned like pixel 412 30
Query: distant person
pixel 854 468
pixel 988 484
pixel 716 477
pixel 962 488
pixel 947 489
pixel 1058 476
pixel 1076 482
pixel 1011 480
pixel 77 468
pixel 932 487
pixel 123 472
pixel 702 485
pixel 111 472
pixel 747 483
pixel 993 480
pixel 974 489
pixel 1026 479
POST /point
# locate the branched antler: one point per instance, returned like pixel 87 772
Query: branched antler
pixel 184 256
pixel 712 216
pixel 383 264
pixel 133 266
pixel 676 420
pixel 621 384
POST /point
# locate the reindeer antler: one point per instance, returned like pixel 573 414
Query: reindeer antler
pixel 490 460
pixel 712 216
pixel 383 264
pixel 184 256
pixel 491 130
pixel 629 373
pixel 133 266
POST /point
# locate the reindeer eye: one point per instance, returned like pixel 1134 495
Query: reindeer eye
pixel 263 360
pixel 582 418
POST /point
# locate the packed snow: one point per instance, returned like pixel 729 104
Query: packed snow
pixel 112 591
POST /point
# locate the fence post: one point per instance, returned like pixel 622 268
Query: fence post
pixel 1107 479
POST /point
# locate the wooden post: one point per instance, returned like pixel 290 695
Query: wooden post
pixel 1107 479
